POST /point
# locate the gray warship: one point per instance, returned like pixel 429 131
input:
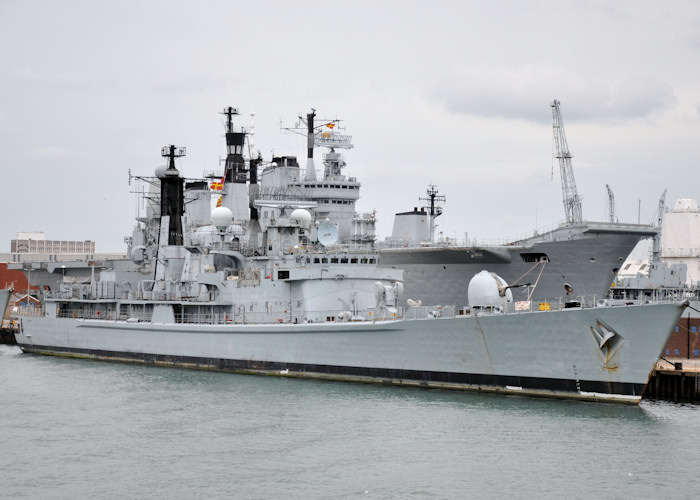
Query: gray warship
pixel 574 260
pixel 263 283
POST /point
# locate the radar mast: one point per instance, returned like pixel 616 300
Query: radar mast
pixel 434 211
pixel 327 134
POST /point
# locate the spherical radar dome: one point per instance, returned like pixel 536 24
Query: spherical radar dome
pixel 301 217
pixel 160 171
pixel 221 217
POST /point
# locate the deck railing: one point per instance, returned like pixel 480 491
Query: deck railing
pixel 215 314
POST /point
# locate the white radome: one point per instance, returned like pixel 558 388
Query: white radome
pixel 301 217
pixel 160 171
pixel 221 217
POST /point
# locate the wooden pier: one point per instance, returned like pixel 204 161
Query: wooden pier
pixel 675 380
pixel 7 336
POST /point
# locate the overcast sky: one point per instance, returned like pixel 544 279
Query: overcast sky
pixel 451 93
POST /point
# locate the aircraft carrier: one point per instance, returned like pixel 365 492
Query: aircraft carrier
pixel 575 259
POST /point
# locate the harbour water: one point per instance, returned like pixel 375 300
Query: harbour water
pixel 75 428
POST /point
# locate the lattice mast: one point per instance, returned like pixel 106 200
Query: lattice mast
pixel 572 201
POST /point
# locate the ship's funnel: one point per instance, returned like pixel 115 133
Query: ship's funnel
pixel 310 170
pixel 172 199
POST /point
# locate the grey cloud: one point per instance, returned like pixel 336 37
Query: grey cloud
pixel 637 98
pixel 496 96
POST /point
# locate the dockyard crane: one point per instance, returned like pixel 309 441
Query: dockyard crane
pixel 656 245
pixel 572 201
pixel 611 203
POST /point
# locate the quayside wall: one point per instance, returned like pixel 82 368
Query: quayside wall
pixel 675 379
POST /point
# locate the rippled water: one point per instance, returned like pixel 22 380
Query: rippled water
pixel 75 428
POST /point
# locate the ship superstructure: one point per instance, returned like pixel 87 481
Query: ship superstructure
pixel 333 193
pixel 263 248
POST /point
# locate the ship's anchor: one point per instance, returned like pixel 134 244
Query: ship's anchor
pixel 603 333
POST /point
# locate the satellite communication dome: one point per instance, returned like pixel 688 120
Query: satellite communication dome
pixel 327 234
pixel 487 289
pixel 221 217
pixel 301 217
pixel 160 171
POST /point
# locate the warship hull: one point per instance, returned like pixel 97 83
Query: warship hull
pixel 564 265
pixel 597 354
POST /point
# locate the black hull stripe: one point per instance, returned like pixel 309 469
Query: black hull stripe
pixel 464 381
